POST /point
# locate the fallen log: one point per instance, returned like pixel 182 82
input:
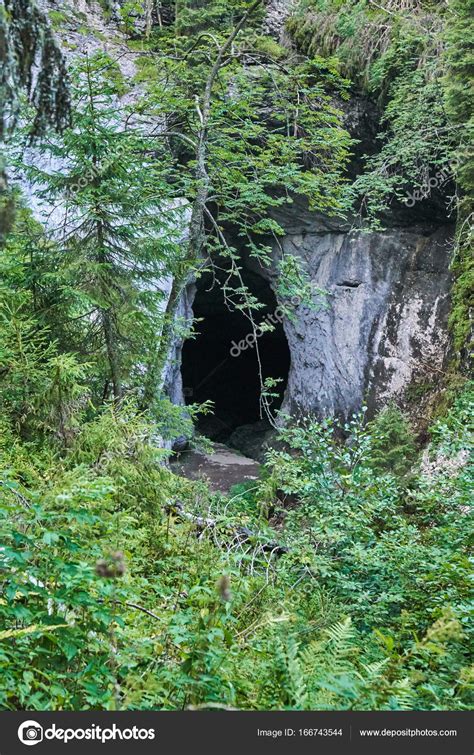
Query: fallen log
pixel 238 533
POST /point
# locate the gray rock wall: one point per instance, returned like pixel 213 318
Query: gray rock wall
pixel 384 323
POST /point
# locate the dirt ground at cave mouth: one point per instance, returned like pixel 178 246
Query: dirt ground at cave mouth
pixel 221 469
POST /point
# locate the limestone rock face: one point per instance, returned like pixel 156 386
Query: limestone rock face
pixel 381 326
pixel 277 11
pixel 173 381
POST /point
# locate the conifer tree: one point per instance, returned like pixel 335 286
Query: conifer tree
pixel 116 230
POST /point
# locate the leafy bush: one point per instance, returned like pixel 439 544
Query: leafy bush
pixel 396 558
pixel 393 56
pixel 118 601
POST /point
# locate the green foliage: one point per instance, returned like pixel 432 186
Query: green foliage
pixel 459 105
pixel 118 238
pixel 453 432
pixel 267 47
pixel 58 18
pixel 129 12
pixel 245 134
pixel 458 94
pixel 197 16
pixel 393 55
pixel 26 39
pixel 386 551
pixel 115 603
pixel 393 443
pixel 122 585
pixel 416 64
pixel 51 581
pixel 261 167
pixel 463 291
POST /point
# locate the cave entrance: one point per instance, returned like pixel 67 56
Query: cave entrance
pixel 211 372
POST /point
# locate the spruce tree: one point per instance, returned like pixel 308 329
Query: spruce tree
pixel 117 231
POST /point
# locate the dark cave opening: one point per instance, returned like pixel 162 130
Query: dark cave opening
pixel 215 368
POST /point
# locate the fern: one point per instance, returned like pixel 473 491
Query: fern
pixel 34 629
pixel 342 638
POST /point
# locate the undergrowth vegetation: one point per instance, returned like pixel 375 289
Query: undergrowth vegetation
pixel 128 587
pixel 341 578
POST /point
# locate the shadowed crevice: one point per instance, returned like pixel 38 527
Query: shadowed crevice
pixel 220 363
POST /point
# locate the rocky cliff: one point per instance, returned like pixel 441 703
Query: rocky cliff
pixel 383 330
pixel 383 327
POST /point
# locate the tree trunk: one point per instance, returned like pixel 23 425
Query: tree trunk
pixel 112 356
pixel 148 17
pixel 196 224
pixel 108 326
